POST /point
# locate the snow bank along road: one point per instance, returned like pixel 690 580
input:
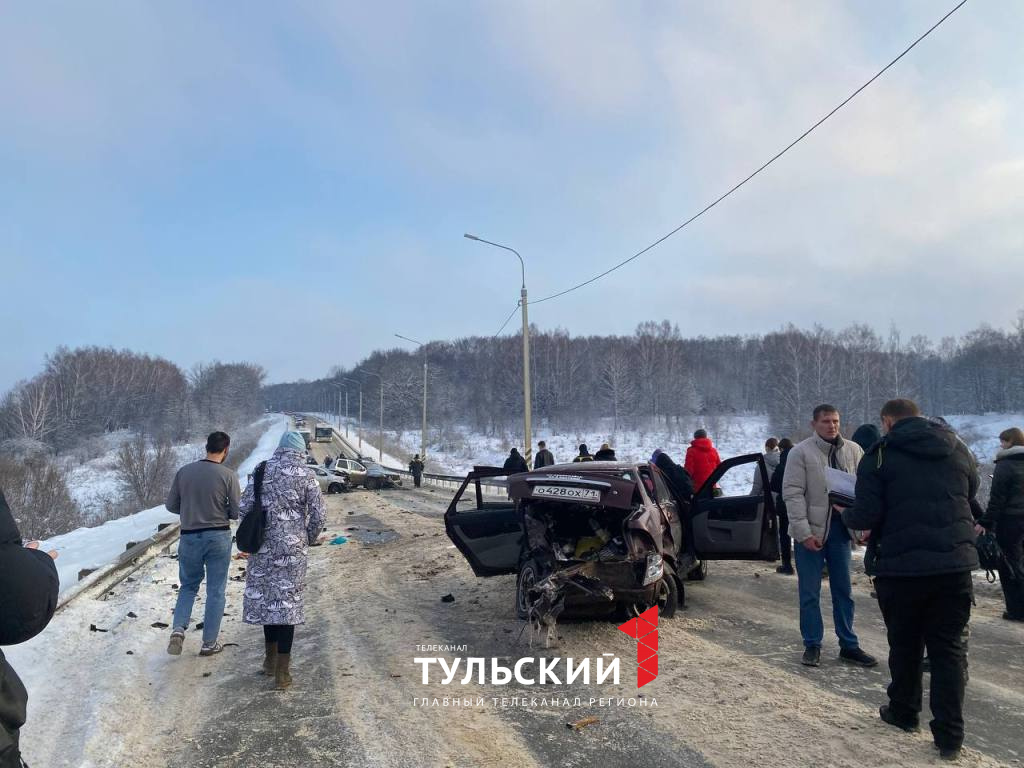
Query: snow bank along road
pixel 730 690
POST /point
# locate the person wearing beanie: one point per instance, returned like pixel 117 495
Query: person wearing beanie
pixel 275 578
pixel 606 453
pixel 584 454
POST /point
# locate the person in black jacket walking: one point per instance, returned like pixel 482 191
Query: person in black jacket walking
pixel 416 467
pixel 1005 514
pixel 544 457
pixel 913 494
pixel 28 598
pixel 515 463
pixel 785 542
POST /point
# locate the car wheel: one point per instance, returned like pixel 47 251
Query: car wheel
pixel 334 488
pixel 699 572
pixel 666 596
pixel 529 574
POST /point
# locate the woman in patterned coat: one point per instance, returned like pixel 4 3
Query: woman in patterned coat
pixel 276 575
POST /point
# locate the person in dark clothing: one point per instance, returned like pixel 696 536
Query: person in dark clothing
pixel 913 495
pixel 1005 515
pixel 785 542
pixel 28 598
pixel 866 435
pixel 416 467
pixel 515 463
pixel 681 485
pixel 544 457
pixel 606 453
pixel 679 480
pixel 584 454
pixel 327 461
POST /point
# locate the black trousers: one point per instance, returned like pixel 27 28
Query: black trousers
pixel 785 543
pixel 1010 535
pixel 417 479
pixel 928 612
pixel 282 634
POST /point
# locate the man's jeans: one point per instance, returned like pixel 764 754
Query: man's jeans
pixel 809 565
pixel 206 552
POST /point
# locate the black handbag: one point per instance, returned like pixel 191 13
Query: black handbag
pixel 989 554
pixel 249 537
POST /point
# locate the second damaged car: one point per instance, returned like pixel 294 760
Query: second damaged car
pixel 606 537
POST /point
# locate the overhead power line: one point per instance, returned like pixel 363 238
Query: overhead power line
pixel 511 314
pixel 775 157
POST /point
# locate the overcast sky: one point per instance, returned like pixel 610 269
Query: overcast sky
pixel 289 183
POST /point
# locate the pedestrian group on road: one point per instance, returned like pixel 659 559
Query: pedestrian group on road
pixel 914 505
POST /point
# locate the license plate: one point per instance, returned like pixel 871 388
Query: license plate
pixel 567 492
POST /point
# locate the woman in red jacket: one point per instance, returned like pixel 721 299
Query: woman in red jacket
pixel 701 458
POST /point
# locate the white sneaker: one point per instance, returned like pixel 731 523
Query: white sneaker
pixel 209 650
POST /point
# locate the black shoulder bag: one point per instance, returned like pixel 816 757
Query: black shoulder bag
pixel 990 556
pixel 249 537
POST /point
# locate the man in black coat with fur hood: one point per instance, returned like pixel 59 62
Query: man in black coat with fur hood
pixel 914 492
pixel 28 598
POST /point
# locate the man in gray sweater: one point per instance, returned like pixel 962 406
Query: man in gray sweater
pixel 205 494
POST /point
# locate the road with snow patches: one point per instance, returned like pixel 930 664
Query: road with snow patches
pixel 730 690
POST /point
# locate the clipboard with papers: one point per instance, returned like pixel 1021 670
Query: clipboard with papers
pixel 841 487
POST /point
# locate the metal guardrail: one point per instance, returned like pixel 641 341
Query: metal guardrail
pixel 495 486
pixel 109 576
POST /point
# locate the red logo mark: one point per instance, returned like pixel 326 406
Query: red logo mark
pixel 645 629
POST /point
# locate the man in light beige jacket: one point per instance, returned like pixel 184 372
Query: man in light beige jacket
pixel 821 536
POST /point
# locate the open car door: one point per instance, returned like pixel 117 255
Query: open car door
pixel 486 527
pixel 735 527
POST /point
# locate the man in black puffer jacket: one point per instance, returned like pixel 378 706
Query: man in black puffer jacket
pixel 28 598
pixel 914 492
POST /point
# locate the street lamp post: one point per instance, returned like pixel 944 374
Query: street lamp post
pixel 338 408
pixel 360 385
pixel 423 431
pixel 380 444
pixel 527 436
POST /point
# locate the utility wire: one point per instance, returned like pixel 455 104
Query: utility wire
pixel 511 314
pixel 792 144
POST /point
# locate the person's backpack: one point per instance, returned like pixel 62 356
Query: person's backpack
pixel 249 537
pixel 989 554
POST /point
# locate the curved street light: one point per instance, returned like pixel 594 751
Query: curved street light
pixel 423 430
pixel 527 436
pixel 380 444
pixel 360 385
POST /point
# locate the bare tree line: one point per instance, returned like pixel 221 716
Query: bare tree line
pixel 82 394
pixel 90 391
pixel 658 377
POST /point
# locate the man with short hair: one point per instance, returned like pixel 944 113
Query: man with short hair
pixel 914 492
pixel 821 536
pixel 205 495
pixel 544 457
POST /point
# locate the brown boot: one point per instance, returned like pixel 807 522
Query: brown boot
pixel 270 660
pixel 282 678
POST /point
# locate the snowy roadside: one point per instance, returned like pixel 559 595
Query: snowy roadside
pixel 94 547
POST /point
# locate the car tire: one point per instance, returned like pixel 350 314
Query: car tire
pixel 529 574
pixel 667 595
pixel 334 488
pixel 699 572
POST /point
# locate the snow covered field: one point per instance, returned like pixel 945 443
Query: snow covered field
pixel 732 435
pixel 99 545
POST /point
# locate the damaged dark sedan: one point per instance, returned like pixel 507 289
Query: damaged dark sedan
pixel 605 537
